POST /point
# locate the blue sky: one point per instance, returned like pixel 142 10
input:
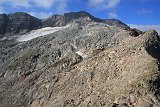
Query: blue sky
pixel 139 12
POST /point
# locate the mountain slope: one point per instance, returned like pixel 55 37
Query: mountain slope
pixel 89 64
pixel 115 22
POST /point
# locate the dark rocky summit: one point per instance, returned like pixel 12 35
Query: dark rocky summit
pixel 89 63
pixel 18 22
pixel 81 17
pixel 3 23
pixel 61 20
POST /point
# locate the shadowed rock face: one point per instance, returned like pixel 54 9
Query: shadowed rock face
pixel 19 22
pixel 3 23
pixel 56 20
pixel 61 20
pixel 76 15
pixel 84 65
pixel 115 22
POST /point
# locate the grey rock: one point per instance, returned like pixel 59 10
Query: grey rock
pixel 61 20
pixel 115 22
pixel 55 20
pixel 20 21
pixel 3 23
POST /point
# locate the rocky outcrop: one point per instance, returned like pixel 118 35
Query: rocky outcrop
pixel 56 20
pixel 82 14
pixel 18 22
pixel 81 17
pixel 115 22
pixel 3 23
pixel 61 20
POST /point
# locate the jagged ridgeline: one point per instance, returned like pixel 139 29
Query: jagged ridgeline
pixel 76 60
pixel 19 22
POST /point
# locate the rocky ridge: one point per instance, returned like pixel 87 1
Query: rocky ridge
pixel 21 22
pixel 89 64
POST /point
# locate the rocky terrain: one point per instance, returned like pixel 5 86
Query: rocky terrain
pixel 18 22
pixel 87 62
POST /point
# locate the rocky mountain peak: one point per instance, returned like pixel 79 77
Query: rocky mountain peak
pixel 77 15
pixel 3 23
pixel 61 20
pixel 80 17
pixel 19 14
pixel 18 22
pixel 82 14
pixel 21 22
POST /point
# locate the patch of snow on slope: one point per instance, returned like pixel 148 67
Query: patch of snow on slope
pixel 146 27
pixel 81 54
pixel 40 32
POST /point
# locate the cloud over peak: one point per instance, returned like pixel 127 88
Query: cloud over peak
pixel 15 3
pixel 1 10
pixel 112 15
pixel 32 3
pixel 41 15
pixel 44 3
pixel 145 11
pixel 60 6
pixel 103 4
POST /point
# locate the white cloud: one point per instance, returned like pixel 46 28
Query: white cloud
pixel 16 3
pixel 112 15
pixel 41 15
pixel 145 11
pixel 103 4
pixel 146 27
pixel 29 3
pixel 60 6
pixel 1 10
pixel 113 3
pixel 44 3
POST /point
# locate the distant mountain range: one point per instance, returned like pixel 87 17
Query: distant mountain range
pixel 21 22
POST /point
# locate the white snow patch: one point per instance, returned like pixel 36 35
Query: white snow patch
pixel 40 32
pixel 82 54
pixel 4 38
